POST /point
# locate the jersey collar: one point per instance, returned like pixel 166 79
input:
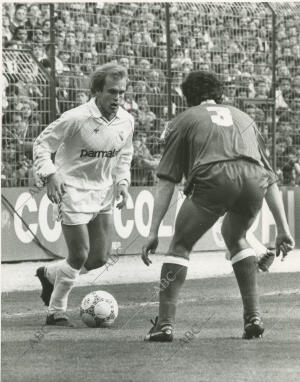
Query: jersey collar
pixel 208 101
pixel 96 113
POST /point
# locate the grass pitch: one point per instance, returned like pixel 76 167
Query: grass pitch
pixel 208 345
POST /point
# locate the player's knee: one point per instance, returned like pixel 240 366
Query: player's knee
pixel 79 254
pixel 96 261
pixel 180 251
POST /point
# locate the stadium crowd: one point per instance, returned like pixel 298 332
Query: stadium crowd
pixel 236 45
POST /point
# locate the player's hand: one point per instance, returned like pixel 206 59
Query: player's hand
pixel 55 188
pixel 150 246
pixel 284 244
pixel 122 192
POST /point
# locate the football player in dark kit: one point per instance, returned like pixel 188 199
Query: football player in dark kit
pixel 217 148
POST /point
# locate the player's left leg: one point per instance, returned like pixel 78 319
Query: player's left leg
pixel 191 223
pixel 244 263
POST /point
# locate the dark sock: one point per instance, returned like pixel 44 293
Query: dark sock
pixel 246 274
pixel 171 279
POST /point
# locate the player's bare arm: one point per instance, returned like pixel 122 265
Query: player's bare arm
pixel 284 239
pixel 163 196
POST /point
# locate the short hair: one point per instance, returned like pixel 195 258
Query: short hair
pixel 98 77
pixel 199 86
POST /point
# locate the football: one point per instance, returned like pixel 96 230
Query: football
pixel 99 309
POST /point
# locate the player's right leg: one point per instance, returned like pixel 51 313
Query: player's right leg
pixel 244 263
pixel 77 240
pixel 191 223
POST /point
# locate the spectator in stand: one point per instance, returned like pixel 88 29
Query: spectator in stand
pixel 145 116
pixel 39 51
pixel 140 88
pixel 113 39
pixel 8 166
pixel 245 80
pixel 230 93
pixel 142 70
pixel 37 36
pixel 177 98
pixel 21 35
pixel 285 127
pixel 81 97
pixel 64 57
pixel 60 41
pixel 59 25
pixel 66 17
pixel 281 146
pixel 6 30
pixel 90 43
pixel 33 20
pixel 45 12
pixel 14 128
pixel 20 17
pixel 34 128
pixel 130 105
pixel 283 93
pixel 64 99
pixel 27 111
pixel 4 97
pixel 71 46
pixel 261 89
pixel 295 106
pixel 143 164
pixel 79 79
pixel 79 36
pixel 186 66
pixel 46 30
pixel 160 59
pixel 291 169
pixel 87 63
pixel 296 86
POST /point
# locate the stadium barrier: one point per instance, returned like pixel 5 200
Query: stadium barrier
pixel 30 232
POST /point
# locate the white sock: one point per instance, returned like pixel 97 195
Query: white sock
pixel 51 270
pixel 243 254
pixel 65 279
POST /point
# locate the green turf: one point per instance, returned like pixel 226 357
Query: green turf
pixel 209 307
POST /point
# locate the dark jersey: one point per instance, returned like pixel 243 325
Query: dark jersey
pixel 206 134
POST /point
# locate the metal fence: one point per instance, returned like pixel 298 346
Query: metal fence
pixel 253 47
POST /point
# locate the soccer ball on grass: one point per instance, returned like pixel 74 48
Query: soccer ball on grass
pixel 98 309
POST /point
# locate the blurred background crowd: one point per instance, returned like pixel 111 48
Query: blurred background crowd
pixel 235 41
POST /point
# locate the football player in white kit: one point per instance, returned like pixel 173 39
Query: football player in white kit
pixel 93 146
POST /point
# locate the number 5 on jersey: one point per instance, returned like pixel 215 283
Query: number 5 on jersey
pixel 221 116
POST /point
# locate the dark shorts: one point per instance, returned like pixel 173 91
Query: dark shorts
pixel 237 186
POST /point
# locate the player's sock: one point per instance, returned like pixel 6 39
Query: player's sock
pixel 51 270
pixel 173 274
pixel 245 268
pixel 65 279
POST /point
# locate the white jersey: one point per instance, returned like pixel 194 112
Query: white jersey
pixel 90 150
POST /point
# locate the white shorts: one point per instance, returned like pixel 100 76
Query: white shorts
pixel 80 206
